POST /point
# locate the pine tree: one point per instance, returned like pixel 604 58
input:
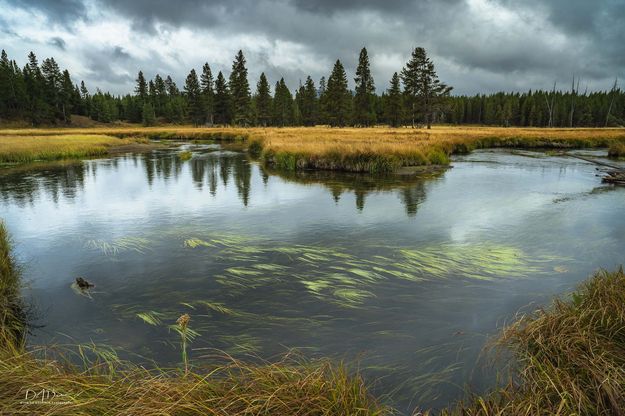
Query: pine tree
pixel 338 97
pixel 172 88
pixel 424 92
pixel 142 87
pixel 160 95
pixel 222 100
pixel 364 114
pixel 148 116
pixel 394 105
pixel 66 98
pixel 240 92
pixel 208 92
pixel 323 102
pixel 262 101
pixel 309 103
pixel 282 105
pixel 193 95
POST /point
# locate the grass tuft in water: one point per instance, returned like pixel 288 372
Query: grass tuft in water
pixel 570 357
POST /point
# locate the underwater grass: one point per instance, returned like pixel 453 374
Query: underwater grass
pixel 24 149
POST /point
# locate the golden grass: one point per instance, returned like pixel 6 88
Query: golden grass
pixel 617 150
pixel 27 148
pixel 570 357
pixel 107 386
pixel 377 149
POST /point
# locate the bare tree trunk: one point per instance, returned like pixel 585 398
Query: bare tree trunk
pixel 614 87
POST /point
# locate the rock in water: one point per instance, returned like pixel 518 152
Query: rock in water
pixel 83 284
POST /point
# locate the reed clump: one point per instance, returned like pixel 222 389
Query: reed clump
pixel 617 150
pixel 570 357
pixel 12 311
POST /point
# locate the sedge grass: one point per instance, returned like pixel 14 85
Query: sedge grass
pixel 379 149
pixel 570 357
pixel 24 149
pixel 617 150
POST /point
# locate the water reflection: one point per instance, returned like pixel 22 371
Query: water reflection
pixel 205 170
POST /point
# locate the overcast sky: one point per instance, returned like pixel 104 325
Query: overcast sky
pixel 477 45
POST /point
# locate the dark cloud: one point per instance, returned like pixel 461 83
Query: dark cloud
pixel 58 42
pixel 61 11
pixel 479 45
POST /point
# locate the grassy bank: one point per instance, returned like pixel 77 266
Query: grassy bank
pixel 12 312
pixel 362 150
pixel 570 358
pixel 28 148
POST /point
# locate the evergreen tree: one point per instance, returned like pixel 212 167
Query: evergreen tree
pixel 338 97
pixel 195 103
pixel 394 104
pixel 149 118
pixel 282 105
pixel 240 92
pixel 222 100
pixel 262 101
pixel 364 113
pixel 323 102
pixel 160 95
pixel 208 92
pixel 309 103
pixel 142 87
pixel 172 88
pixel 424 92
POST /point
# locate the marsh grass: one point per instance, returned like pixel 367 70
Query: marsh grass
pixel 371 150
pixel 570 357
pixel 106 385
pixel 12 310
pixel 617 150
pixel 32 148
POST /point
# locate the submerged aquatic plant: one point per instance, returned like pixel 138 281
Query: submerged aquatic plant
pixel 114 247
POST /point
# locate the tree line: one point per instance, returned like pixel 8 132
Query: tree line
pixel 45 94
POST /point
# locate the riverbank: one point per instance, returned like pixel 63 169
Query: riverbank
pixel 371 150
pixel 19 149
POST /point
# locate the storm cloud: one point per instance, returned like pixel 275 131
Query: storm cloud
pixel 477 45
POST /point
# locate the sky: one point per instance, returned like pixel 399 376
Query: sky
pixel 478 46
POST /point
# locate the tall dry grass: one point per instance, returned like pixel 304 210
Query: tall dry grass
pixel 23 149
pixel 377 149
pixel 570 357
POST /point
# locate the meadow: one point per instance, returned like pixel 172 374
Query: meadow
pixel 15 149
pixel 371 150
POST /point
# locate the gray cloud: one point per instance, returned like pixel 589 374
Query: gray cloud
pixel 58 42
pixel 478 45
pixel 62 11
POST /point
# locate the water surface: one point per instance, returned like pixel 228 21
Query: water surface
pixel 406 276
